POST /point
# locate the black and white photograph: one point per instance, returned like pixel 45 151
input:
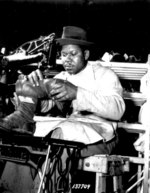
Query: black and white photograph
pixel 74 96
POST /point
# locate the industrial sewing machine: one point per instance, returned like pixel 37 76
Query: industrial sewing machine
pixel 39 53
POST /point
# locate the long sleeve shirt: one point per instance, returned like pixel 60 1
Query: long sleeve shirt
pixel 99 93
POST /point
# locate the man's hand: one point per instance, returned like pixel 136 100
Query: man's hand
pixel 63 90
pixel 60 90
pixel 35 76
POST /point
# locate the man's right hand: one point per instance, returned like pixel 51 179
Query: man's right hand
pixel 34 77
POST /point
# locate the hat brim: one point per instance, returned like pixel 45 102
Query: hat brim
pixel 66 41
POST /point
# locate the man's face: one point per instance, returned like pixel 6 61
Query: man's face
pixel 73 58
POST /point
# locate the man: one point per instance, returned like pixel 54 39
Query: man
pixel 92 94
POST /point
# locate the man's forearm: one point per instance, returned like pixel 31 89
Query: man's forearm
pixel 106 106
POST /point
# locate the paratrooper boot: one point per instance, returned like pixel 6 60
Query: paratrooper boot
pixel 21 120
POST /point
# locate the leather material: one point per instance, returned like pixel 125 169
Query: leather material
pixel 22 119
pixel 27 129
pixel 25 88
pixel 6 126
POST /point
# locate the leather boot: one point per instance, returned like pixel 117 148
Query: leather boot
pixel 21 120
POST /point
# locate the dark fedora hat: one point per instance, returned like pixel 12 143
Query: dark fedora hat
pixel 74 35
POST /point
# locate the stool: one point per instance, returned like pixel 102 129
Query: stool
pixel 105 170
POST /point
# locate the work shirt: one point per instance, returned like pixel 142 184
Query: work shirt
pixel 99 103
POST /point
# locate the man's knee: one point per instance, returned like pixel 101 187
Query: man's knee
pixel 100 147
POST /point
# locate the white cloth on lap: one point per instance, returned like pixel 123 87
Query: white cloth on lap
pixel 79 130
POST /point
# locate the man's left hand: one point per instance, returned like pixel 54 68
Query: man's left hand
pixel 63 90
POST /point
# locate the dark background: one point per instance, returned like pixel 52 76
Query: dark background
pixel 118 25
